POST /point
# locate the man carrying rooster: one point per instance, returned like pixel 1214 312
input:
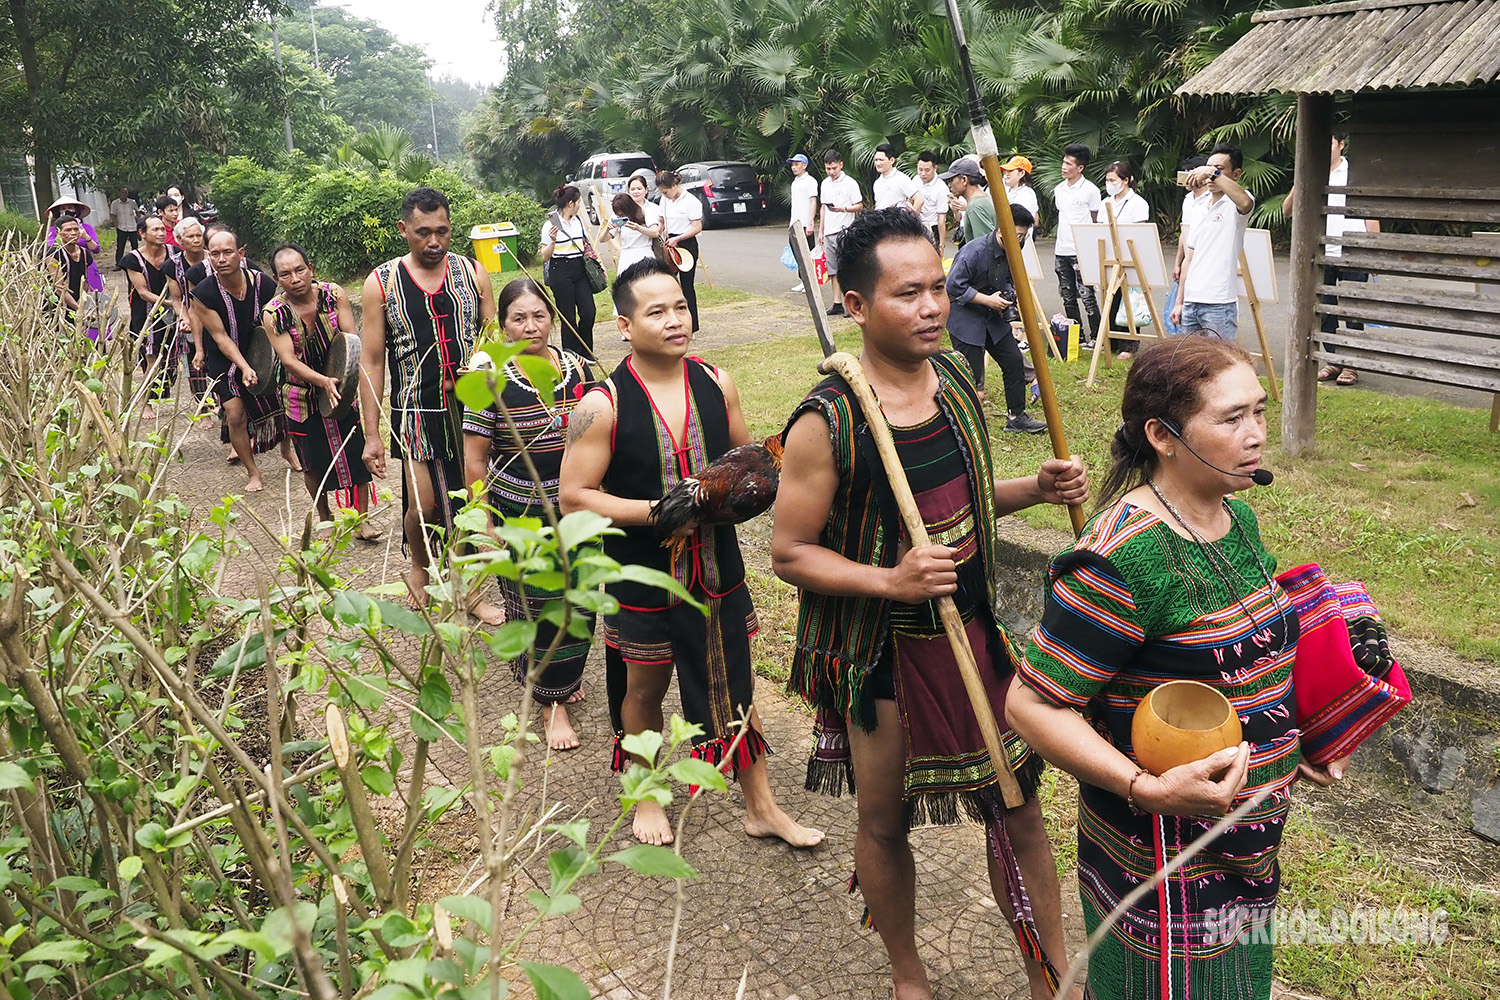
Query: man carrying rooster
pixel 872 655
pixel 672 415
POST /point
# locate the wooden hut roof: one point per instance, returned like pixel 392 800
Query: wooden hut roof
pixel 1364 45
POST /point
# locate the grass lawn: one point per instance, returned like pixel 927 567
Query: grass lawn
pixel 604 306
pixel 1401 492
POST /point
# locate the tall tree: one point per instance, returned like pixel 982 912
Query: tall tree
pixel 374 78
pixel 139 77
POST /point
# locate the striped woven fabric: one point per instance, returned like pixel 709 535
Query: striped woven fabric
pixel 428 335
pixel 1338 703
pixel 1130 606
pixel 840 639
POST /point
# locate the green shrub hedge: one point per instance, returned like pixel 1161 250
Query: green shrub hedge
pixel 17 227
pixel 346 218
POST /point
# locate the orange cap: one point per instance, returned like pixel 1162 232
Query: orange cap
pixel 1017 163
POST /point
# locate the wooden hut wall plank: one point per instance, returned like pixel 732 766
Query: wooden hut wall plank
pixel 1423 317
pixel 1417 265
pixel 1455 302
pixel 1365 360
pixel 1418 209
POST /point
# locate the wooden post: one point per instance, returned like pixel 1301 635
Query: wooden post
pixel 1309 184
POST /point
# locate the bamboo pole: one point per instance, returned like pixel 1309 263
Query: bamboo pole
pixel 1031 311
pixel 848 368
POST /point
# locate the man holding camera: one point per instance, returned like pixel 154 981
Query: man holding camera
pixel 1209 299
pixel 984 306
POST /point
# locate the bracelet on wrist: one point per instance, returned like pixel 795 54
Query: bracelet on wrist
pixel 1130 790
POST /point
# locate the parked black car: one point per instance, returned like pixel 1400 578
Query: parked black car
pixel 728 189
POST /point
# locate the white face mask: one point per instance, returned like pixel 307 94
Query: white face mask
pixel 1114 187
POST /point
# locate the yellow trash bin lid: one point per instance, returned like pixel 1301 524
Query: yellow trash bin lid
pixel 495 246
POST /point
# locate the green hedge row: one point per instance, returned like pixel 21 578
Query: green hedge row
pixel 346 218
pixel 23 228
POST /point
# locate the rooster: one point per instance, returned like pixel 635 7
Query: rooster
pixel 738 485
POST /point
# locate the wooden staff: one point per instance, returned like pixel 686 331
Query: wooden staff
pixel 1031 311
pixel 847 367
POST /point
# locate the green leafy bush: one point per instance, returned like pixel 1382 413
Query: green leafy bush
pixel 170 825
pixel 242 193
pixel 346 216
pixel 16 227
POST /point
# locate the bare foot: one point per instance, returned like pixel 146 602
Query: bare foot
pixel 651 825
pixel 560 734
pixel 291 460
pixel 575 697
pixel 416 589
pixel 232 458
pixel 147 413
pixel 489 613
pixel 255 485
pixel 367 532
pixel 916 990
pixel 775 823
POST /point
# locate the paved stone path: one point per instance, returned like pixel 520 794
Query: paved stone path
pixel 783 915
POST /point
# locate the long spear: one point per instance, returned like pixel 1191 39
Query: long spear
pixel 1031 312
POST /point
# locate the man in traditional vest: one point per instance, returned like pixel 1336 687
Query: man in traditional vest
pixel 423 313
pixel 871 651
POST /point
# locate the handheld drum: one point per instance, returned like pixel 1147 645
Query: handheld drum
pixel 342 363
pixel 261 357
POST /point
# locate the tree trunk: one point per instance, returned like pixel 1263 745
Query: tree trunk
pixel 44 184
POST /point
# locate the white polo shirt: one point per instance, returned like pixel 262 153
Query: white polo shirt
pixel 1216 240
pixel 681 212
pixel 1132 208
pixel 842 192
pixel 934 201
pixel 1194 204
pixel 1076 205
pixel 894 188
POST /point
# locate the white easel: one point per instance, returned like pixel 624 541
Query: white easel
pixel 1258 248
pixel 1125 252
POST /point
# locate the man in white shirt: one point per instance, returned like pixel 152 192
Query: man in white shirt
pixel 1194 201
pixel 682 221
pixel 804 202
pixel 1338 224
pixel 122 210
pixel 1078 203
pixel 892 186
pixel 841 200
pixel 932 199
pixel 1209 302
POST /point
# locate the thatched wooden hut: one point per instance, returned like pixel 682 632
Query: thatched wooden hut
pixel 1419 81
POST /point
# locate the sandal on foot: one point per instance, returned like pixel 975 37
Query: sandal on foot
pixel 1347 377
pixel 1329 372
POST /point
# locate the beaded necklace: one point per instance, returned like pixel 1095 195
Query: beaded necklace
pixel 1223 566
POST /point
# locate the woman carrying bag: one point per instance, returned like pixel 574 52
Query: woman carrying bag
pixel 568 253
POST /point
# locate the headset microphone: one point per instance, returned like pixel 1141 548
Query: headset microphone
pixel 1260 477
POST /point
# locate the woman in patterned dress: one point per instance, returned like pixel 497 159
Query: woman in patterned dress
pixel 491 456
pixel 1170 581
pixel 302 321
